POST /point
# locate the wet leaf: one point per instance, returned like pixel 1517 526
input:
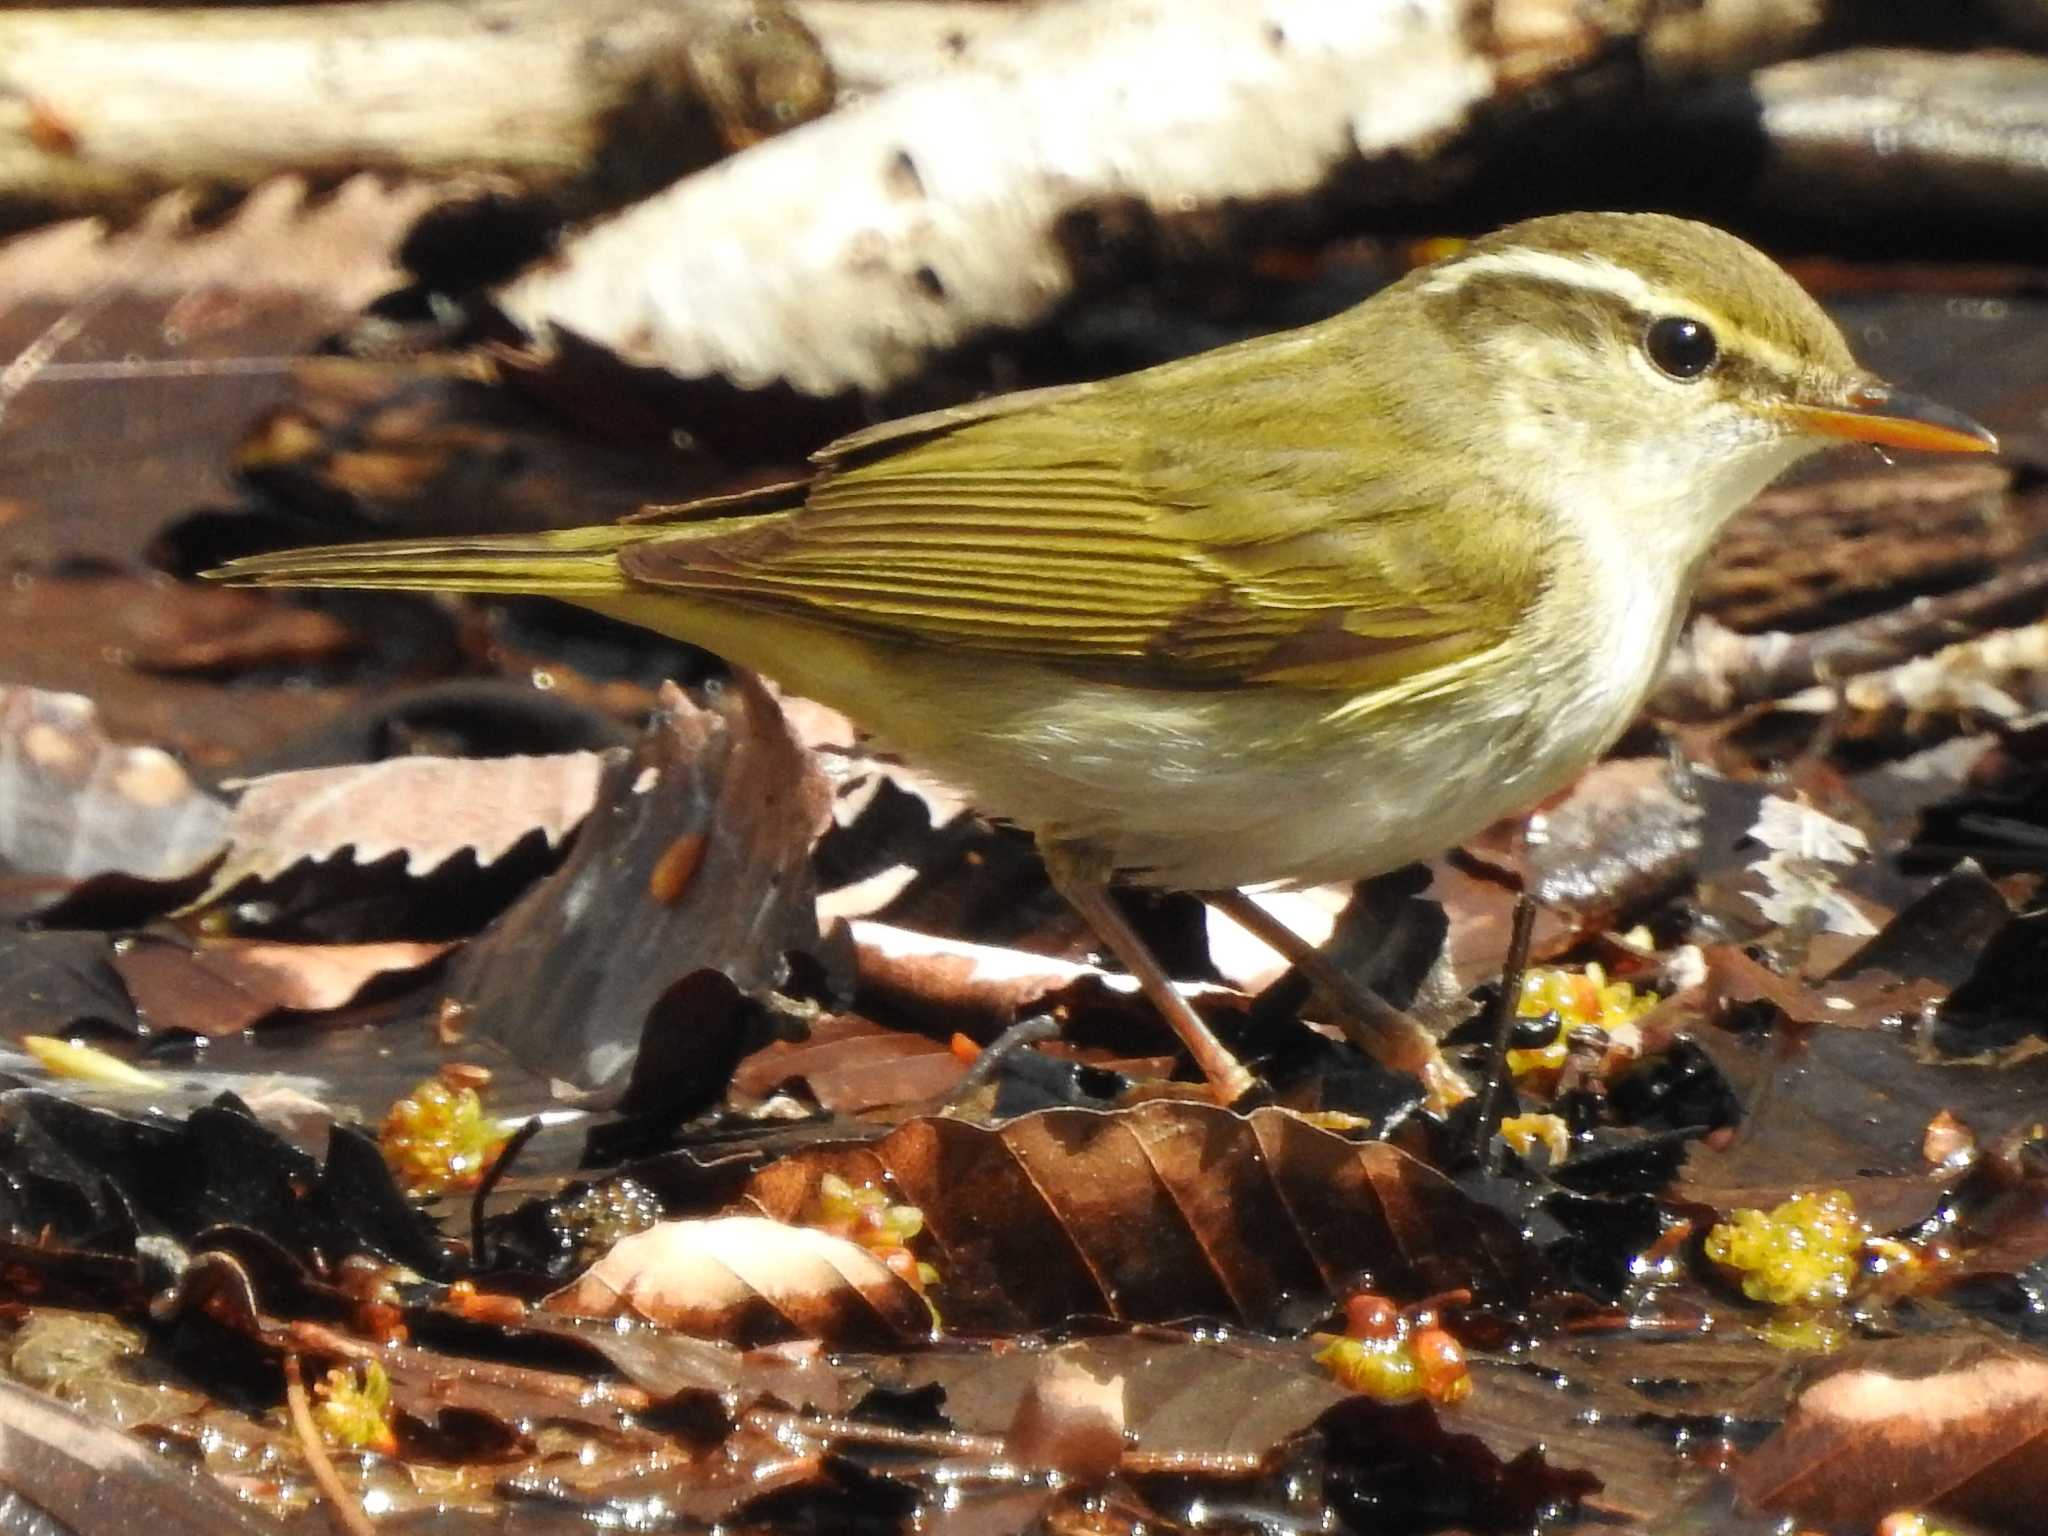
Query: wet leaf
pixel 749 1280
pixel 1069 1420
pixel 81 1174
pixel 68 1466
pixel 89 633
pixel 1849 1108
pixel 1167 1210
pixel 224 988
pixel 570 978
pixel 1222 1399
pixel 57 982
pixel 1408 1467
pixel 848 1064
pixel 1862 1443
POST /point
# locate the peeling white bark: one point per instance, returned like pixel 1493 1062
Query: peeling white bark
pixel 844 255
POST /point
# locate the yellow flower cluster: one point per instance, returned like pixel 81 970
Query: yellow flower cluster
pixel 1576 999
pixel 1806 1252
pixel 438 1138
pixel 864 1214
pixel 354 1410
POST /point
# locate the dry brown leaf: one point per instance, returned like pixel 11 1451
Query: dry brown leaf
pixel 130 363
pixel 224 988
pixel 339 246
pixel 1862 1443
pixel 848 1064
pixel 423 810
pixel 980 988
pixel 88 634
pixel 1166 1210
pixel 750 1281
pixel 1734 978
pixel 74 805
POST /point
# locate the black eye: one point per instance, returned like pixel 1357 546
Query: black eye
pixel 1685 349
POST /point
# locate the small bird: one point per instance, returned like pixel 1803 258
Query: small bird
pixel 1300 609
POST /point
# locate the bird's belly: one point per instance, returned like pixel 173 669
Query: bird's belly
pixel 1199 789
pixel 1202 791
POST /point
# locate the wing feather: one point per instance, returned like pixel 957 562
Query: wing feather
pixel 1179 555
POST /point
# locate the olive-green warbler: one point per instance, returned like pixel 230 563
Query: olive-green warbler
pixel 1296 610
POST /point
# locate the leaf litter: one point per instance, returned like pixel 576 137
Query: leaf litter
pixel 1163 1215
pixel 1119 1293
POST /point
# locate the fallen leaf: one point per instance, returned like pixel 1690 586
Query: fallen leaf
pixel 848 1063
pixel 83 1473
pixel 224 988
pixel 1733 977
pixel 1862 1443
pixel 750 1281
pixel 982 989
pixel 1220 1397
pixel 217 1166
pixel 59 980
pixel 139 356
pixel 1070 1421
pixel 578 972
pixel 1848 1108
pixel 85 633
pixel 423 811
pixel 1166 1210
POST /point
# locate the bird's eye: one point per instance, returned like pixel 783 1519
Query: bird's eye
pixel 1683 348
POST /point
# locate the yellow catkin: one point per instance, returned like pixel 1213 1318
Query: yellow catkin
pixel 438 1138
pixel 1803 1253
pixel 1578 1000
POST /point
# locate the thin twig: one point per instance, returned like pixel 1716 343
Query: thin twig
pixel 990 1448
pixel 346 1508
pixel 1495 1078
pixel 1020 1036
pixel 500 1165
pixel 1716 669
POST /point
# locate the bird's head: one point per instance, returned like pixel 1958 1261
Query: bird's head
pixel 1661 355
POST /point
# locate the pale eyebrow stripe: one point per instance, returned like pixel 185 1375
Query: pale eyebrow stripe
pixel 1596 274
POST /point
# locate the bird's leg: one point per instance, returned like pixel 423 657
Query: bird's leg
pixel 1087 890
pixel 1386 1033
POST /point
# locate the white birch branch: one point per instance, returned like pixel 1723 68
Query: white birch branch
pixel 844 255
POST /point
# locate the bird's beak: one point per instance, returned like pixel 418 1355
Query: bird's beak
pixel 1890 418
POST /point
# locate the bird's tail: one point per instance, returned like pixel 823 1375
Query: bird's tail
pixel 570 563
